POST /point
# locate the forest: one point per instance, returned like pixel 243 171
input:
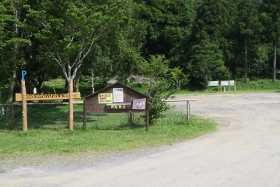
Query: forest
pixel 94 41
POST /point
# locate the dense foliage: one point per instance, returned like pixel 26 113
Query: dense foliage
pixel 100 40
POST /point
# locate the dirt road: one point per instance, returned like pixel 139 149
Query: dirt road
pixel 245 151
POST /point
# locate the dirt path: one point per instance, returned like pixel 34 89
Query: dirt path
pixel 245 151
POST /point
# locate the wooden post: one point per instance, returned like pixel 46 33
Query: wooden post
pixel 147 114
pixel 188 110
pixel 85 116
pixel 71 111
pixel 24 106
pixel 13 116
pixel 130 118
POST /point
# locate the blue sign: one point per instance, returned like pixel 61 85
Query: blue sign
pixel 23 73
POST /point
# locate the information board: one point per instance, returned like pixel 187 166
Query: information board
pixel 104 98
pixel 118 95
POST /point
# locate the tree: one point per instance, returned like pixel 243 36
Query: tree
pixel 161 85
pixel 271 21
pixel 168 22
pixel 70 30
pixel 117 53
pixel 14 37
pixel 205 55
pixel 248 28
pixel 206 63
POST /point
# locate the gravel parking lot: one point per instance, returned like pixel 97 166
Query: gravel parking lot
pixel 244 151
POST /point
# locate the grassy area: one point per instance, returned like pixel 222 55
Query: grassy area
pixel 47 133
pixel 258 85
pixel 105 133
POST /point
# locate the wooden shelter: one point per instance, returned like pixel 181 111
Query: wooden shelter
pixel 117 98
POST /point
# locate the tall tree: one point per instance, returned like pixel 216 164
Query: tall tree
pixel 70 30
pixel 14 38
pixel 168 22
pixel 118 53
pixel 205 58
pixel 248 28
pixel 271 21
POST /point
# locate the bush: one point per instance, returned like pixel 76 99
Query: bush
pixel 162 83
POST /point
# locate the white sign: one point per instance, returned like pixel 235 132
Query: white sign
pixel 227 83
pixel 213 83
pixel 118 95
pixel 224 83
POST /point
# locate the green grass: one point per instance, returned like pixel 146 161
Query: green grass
pixel 253 86
pixel 106 133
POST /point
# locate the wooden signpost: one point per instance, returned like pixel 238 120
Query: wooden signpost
pixel 36 97
pixel 117 98
pixel 24 103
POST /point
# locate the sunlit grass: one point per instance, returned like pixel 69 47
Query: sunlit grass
pixel 105 133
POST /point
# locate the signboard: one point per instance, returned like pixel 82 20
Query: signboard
pixel 37 97
pixel 118 95
pixel 213 83
pixel 227 83
pixel 139 104
pixel 104 98
pixel 125 106
pixel 232 83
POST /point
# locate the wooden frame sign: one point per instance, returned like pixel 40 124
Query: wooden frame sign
pixel 117 98
pixel 35 97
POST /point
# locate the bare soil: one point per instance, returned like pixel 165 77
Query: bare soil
pixel 244 151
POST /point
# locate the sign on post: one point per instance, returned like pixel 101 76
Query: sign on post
pixel 222 83
pixel 35 97
pixel 213 83
pixel 23 73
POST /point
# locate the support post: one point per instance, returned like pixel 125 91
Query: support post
pixel 71 110
pixel 85 116
pixel 188 110
pixel 130 118
pixel 147 114
pixel 13 116
pixel 24 106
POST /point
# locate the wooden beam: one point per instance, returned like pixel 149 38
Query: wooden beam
pixel 24 106
pixel 37 97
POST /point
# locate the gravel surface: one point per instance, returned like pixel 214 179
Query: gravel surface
pixel 244 151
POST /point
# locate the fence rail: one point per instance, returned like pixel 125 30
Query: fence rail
pixel 188 105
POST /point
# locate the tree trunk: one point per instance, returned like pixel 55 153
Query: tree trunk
pixel 92 81
pixel 246 62
pixel 77 83
pixel 274 63
pixel 15 50
pixel 2 112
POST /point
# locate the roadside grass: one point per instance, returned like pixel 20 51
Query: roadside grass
pixel 253 86
pixel 48 134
